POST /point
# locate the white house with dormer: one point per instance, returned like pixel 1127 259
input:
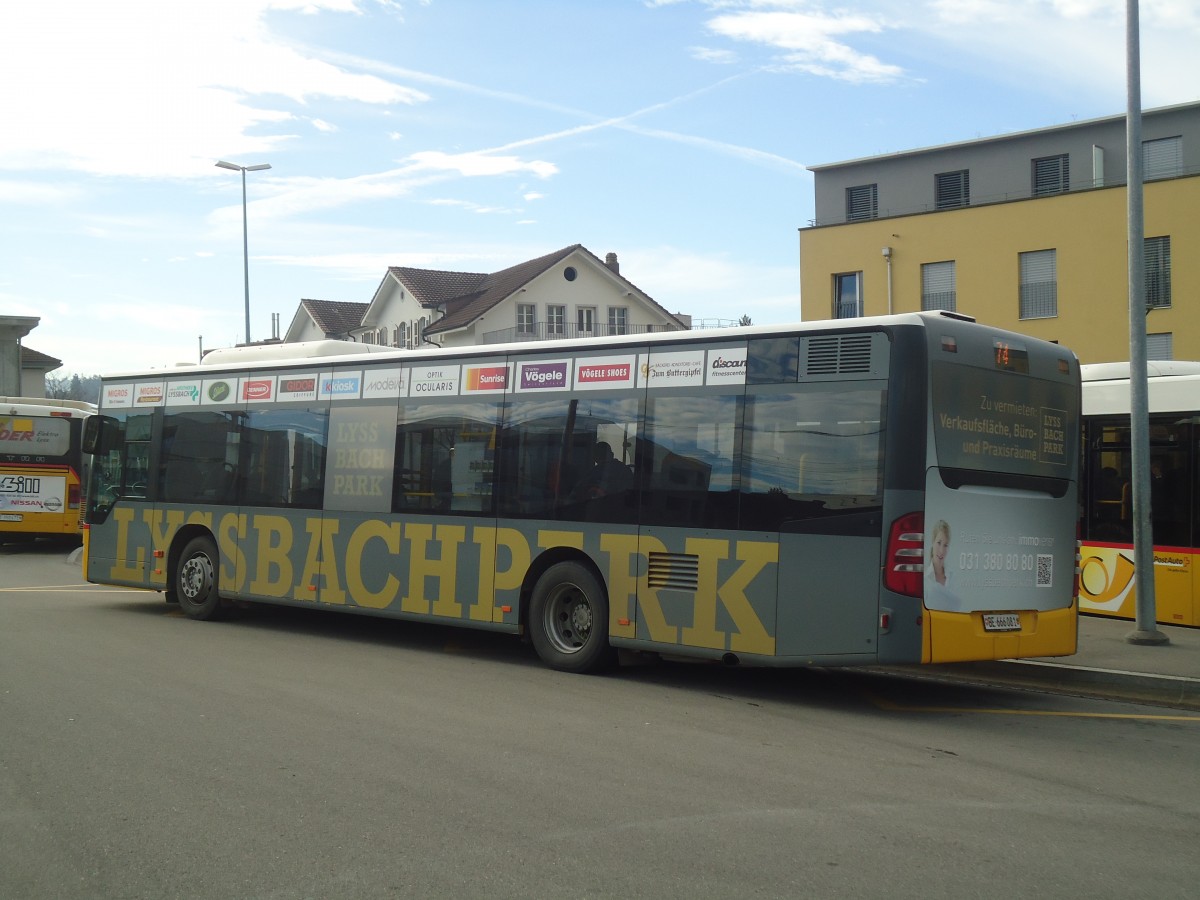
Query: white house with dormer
pixel 568 293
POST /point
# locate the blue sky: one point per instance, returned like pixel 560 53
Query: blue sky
pixel 475 134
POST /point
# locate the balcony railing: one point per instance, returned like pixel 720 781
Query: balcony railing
pixel 546 331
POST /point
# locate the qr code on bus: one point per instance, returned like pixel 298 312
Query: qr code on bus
pixel 1045 570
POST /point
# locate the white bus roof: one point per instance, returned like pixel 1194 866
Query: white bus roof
pixel 33 405
pixel 232 356
pixel 1119 371
pixel 331 351
pixel 1173 386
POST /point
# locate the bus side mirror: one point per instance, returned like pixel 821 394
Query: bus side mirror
pixel 98 434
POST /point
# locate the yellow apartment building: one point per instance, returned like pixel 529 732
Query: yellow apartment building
pixel 1024 231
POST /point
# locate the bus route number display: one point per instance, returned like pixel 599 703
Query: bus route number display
pixel 1011 356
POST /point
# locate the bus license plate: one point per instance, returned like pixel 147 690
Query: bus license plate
pixel 1001 622
pixel 10 517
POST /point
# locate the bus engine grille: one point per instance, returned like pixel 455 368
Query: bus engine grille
pixel 674 571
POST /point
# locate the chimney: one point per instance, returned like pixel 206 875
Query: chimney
pixel 610 260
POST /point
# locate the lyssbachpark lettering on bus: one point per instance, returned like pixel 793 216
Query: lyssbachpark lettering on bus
pixel 417 564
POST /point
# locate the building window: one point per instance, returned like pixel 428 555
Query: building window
pixel 526 318
pixel 938 285
pixel 382 334
pixel 1162 158
pixel 1051 175
pixel 419 337
pixel 368 337
pixel 585 317
pixel 1158 272
pixel 952 189
pixel 1159 346
pixel 862 202
pixel 847 295
pixel 556 319
pixel 1039 284
pixel 618 320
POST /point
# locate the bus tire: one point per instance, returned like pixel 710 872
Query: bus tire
pixel 568 619
pixel 195 581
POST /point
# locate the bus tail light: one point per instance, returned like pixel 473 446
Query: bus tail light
pixel 904 571
pixel 73 496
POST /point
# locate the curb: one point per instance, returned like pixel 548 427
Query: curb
pixel 1174 691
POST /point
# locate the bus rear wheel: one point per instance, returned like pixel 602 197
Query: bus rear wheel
pixel 568 619
pixel 195 582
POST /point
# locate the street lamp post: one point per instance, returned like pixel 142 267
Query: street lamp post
pixel 245 239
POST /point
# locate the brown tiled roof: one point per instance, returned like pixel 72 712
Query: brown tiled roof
pixel 335 316
pixel 32 359
pixel 465 296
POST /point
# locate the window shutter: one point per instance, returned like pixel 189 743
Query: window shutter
pixel 1158 271
pixel 1039 284
pixel 1160 346
pixel 862 202
pixel 1051 175
pixel 1162 158
pixel 938 285
pixel 952 189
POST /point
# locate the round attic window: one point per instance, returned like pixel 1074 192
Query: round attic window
pixel 569 273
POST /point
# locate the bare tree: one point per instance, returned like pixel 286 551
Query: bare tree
pixel 73 387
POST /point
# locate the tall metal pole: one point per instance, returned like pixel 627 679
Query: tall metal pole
pixel 234 167
pixel 246 255
pixel 1146 631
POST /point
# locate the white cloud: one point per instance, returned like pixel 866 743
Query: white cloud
pixel 479 163
pixel 809 41
pixel 169 87
pixel 1070 46
pixel 30 193
pixel 709 54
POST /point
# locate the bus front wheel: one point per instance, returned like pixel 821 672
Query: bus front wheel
pixel 568 619
pixel 196 580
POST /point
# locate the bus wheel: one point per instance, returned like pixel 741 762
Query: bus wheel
pixel 568 619
pixel 196 580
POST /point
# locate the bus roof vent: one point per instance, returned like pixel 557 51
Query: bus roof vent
pixel 839 354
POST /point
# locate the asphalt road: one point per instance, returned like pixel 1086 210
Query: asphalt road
pixel 291 753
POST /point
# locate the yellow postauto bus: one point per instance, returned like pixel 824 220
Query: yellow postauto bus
pixel 1107 561
pixel 892 490
pixel 42 468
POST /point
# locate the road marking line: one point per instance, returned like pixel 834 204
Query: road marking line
pixel 898 707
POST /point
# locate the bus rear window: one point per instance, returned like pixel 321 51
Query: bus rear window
pixel 30 436
pixel 995 421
